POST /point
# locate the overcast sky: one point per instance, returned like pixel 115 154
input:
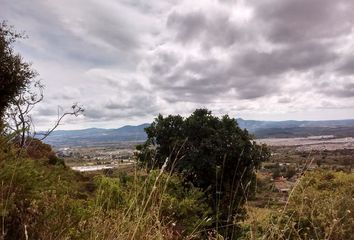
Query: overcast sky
pixel 126 61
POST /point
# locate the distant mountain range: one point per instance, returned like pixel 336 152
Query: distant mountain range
pixel 253 125
pixel 292 128
pixel 95 136
pixel 261 129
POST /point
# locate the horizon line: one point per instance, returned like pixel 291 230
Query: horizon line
pixel 130 125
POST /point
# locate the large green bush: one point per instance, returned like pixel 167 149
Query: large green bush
pixel 211 153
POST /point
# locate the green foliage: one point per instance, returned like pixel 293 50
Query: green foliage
pixel 36 149
pixel 54 160
pixel 48 201
pixel 37 198
pixel 321 207
pixel 276 173
pixel 184 206
pixel 162 197
pixel 109 193
pixel 15 74
pixel 212 153
pixel 290 172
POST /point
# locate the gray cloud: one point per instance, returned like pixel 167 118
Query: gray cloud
pixel 190 26
pixel 47 111
pixel 94 34
pixel 344 90
pixel 284 100
pixel 347 68
pixel 281 38
pixel 300 57
pixel 127 61
pixel 302 20
pixel 115 111
pixel 208 30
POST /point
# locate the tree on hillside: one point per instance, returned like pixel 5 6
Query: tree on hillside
pixel 20 92
pixel 15 73
pixel 212 153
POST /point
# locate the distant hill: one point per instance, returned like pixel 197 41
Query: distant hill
pixel 292 128
pixel 261 129
pixel 93 136
pixel 253 125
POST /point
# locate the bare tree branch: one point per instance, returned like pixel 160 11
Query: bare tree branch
pixel 18 116
pixel 76 111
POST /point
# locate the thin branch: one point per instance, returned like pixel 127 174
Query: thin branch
pixel 76 111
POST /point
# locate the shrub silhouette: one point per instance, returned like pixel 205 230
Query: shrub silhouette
pixel 211 153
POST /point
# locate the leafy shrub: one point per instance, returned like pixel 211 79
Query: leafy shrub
pixel 321 207
pixel 151 199
pixel 211 153
pixel 54 160
pixel 37 199
pixel 108 193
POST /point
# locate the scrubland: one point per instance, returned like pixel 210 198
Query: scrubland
pixel 41 198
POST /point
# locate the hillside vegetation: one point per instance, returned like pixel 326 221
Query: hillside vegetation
pixel 42 199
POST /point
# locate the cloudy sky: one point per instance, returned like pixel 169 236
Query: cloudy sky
pixel 126 61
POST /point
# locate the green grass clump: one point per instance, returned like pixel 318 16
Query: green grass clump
pixel 321 206
pixel 38 200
